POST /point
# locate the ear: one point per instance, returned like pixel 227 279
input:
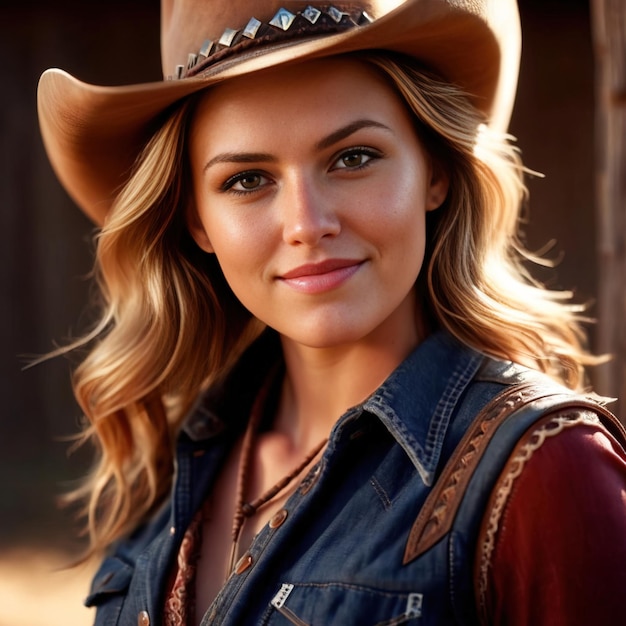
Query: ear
pixel 438 186
pixel 196 229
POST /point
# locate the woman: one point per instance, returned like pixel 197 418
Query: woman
pixel 323 388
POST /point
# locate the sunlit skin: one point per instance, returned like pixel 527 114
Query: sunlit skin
pixel 311 188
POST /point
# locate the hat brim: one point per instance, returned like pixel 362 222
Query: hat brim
pixel 93 134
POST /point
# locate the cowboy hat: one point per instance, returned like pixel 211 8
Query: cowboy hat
pixel 93 134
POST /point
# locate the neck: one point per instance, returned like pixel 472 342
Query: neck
pixel 322 383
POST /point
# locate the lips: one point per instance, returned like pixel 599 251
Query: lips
pixel 319 277
pixel 314 269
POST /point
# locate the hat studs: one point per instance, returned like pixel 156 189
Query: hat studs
pixel 335 14
pixel 206 49
pixel 227 37
pixel 283 19
pixel 311 14
pixel 311 21
pixel 252 28
pixel 192 59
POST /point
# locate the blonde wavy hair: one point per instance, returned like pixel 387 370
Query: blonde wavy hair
pixel 169 324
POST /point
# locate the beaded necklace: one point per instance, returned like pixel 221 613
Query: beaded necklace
pixel 245 509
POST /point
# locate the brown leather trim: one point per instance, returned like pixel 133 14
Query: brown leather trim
pixel 548 426
pixel 436 516
pixel 439 510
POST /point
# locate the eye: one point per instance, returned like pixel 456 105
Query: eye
pixel 355 158
pixel 245 182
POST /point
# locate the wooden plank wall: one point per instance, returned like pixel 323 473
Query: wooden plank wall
pixel 609 38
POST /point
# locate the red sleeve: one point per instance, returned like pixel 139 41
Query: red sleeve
pixel 559 557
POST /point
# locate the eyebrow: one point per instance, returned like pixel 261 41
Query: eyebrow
pixel 346 131
pixel 240 157
pixel 326 142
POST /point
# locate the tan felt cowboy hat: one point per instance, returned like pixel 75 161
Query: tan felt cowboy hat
pixel 93 134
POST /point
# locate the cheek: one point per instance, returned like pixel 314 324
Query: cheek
pixel 397 213
pixel 401 233
pixel 242 246
pixel 234 233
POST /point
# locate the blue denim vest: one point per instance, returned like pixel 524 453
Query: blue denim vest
pixel 337 555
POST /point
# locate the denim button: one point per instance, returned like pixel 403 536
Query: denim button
pixel 143 619
pixel 278 518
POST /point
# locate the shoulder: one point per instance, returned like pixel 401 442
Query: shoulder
pixel 554 530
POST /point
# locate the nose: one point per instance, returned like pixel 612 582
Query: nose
pixel 308 212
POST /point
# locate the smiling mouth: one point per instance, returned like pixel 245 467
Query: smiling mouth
pixel 320 277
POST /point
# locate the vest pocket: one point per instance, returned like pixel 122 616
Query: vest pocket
pixel 320 604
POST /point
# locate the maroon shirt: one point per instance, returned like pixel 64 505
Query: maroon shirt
pixel 559 557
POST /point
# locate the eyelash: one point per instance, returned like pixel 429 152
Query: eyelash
pixel 229 184
pixel 357 150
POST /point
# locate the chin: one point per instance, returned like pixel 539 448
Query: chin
pixel 328 335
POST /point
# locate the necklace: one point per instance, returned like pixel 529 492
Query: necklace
pixel 244 509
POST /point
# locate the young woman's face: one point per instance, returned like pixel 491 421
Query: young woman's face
pixel 311 187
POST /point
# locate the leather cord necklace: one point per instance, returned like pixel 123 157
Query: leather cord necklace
pixel 244 509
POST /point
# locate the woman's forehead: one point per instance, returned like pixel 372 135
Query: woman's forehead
pixel 325 89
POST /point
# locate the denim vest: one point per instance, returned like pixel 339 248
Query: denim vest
pixel 336 554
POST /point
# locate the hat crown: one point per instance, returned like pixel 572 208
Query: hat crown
pixel 187 24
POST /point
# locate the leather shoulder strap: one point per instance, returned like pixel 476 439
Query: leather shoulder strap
pixel 437 515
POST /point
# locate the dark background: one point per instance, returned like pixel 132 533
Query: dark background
pixel 46 241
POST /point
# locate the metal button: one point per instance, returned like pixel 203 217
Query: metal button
pixel 203 424
pixel 278 518
pixel 243 564
pixel 143 619
pixel 172 530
